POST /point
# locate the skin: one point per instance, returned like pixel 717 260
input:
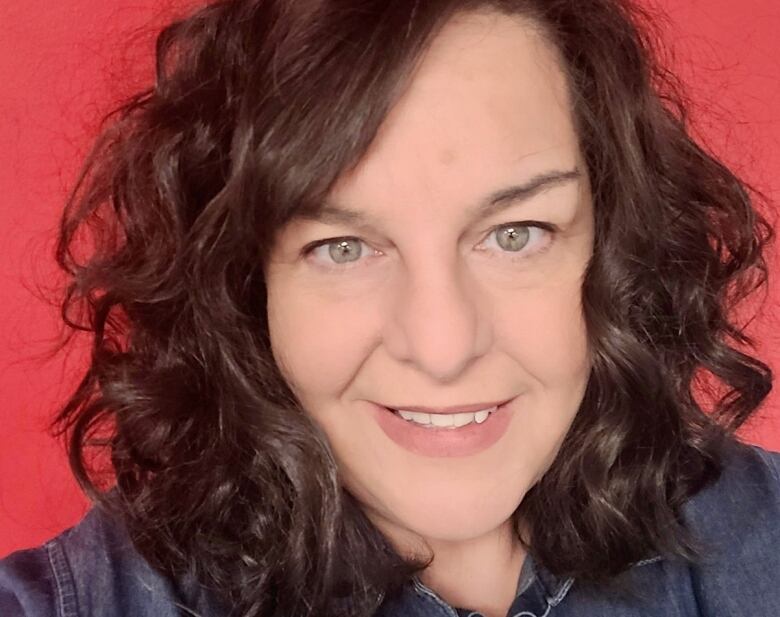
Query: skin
pixel 435 312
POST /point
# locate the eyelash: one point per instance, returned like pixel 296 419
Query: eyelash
pixel 309 249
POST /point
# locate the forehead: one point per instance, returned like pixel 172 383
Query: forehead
pixel 487 106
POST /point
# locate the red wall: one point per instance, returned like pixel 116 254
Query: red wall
pixel 61 65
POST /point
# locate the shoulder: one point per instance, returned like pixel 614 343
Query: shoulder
pixel 91 569
pixel 744 500
pixel 737 522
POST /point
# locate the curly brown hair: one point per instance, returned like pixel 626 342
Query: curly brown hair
pixel 258 107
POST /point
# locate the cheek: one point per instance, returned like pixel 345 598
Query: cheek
pixel 544 330
pixel 318 345
pixel 546 337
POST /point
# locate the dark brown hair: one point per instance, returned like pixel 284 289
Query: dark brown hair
pixel 258 107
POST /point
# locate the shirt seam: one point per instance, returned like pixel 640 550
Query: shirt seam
pixel 529 614
pixel 67 605
pixel 558 597
pixel 425 594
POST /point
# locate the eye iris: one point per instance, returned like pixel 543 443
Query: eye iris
pixel 344 251
pixel 512 238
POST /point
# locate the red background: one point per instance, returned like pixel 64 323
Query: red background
pixel 62 65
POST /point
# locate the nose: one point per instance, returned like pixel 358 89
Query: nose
pixel 437 323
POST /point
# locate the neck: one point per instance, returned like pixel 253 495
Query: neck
pixel 479 574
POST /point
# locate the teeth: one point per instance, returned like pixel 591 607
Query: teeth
pixel 462 419
pixel 452 420
pixel 442 419
pixel 419 418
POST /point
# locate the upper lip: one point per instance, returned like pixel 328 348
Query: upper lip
pixel 452 409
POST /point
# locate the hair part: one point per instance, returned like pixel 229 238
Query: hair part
pixel 258 107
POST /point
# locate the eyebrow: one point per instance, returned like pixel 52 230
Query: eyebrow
pixel 495 203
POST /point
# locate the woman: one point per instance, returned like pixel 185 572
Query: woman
pixel 396 310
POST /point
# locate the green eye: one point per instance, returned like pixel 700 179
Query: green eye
pixel 333 252
pixel 345 251
pixel 519 241
pixel 513 237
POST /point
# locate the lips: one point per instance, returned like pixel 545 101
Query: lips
pixel 434 441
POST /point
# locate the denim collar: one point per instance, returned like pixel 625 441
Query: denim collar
pixel 545 591
pixel 552 588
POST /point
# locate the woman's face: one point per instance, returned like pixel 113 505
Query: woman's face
pixel 447 286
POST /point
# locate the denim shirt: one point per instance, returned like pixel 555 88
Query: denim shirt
pixel 92 569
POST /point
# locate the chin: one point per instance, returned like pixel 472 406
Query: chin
pixel 453 521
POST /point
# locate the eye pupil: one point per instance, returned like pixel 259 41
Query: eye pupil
pixel 345 250
pixel 512 238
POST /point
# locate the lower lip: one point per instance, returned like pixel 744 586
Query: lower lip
pixel 444 442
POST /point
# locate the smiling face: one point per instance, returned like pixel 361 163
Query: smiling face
pixel 446 271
